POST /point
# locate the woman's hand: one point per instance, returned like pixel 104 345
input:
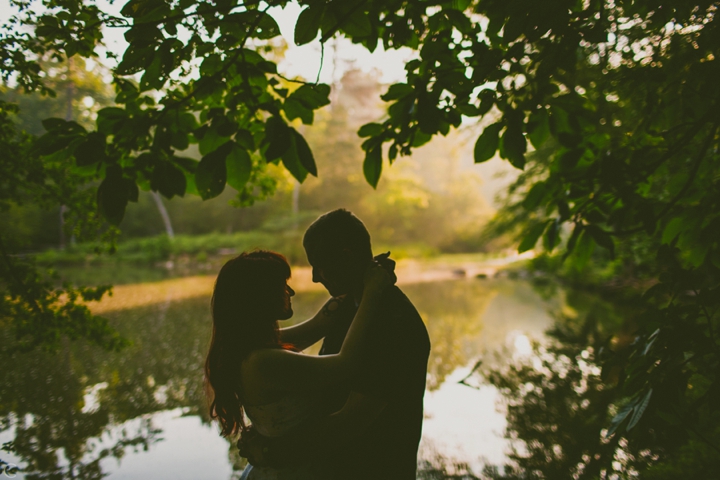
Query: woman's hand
pixel 388 264
pixel 377 278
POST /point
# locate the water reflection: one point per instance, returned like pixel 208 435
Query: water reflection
pixel 83 413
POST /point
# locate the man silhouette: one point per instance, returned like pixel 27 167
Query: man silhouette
pixel 377 430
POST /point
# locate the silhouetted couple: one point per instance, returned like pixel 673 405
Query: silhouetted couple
pixel 354 411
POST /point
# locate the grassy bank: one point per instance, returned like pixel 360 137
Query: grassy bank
pixel 160 257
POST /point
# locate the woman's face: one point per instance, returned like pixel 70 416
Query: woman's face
pixel 287 310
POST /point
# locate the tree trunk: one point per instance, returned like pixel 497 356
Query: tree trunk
pixel 164 214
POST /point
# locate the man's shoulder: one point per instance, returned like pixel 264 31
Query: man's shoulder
pixel 402 314
pixel 396 302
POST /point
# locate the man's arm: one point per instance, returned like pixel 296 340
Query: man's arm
pixel 312 330
pixel 315 440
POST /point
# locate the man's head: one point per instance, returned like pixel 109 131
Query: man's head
pixel 338 248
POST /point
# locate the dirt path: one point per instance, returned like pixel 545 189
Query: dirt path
pixel 409 271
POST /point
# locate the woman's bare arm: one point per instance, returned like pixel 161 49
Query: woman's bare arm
pixel 274 369
pixel 312 330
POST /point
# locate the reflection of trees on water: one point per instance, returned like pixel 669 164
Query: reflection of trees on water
pixel 559 404
pixel 452 312
pixel 62 424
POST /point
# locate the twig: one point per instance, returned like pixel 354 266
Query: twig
pixel 322 61
pixel 238 53
pixel 294 80
pixel 470 374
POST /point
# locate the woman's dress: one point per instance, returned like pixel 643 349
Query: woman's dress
pixel 275 420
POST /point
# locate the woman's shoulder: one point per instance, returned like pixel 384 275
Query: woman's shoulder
pixel 264 358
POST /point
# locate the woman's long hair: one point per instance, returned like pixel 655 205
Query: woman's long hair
pixel 248 299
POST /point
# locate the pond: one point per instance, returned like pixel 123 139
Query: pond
pixel 141 413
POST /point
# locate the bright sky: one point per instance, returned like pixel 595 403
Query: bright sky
pixel 302 61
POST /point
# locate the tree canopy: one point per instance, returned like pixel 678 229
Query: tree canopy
pixel 610 108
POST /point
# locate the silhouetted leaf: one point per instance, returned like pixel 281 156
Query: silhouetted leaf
pixel 621 416
pixel 372 166
pixel 584 248
pixel 531 237
pixel 487 144
pixel 640 409
pixel 672 229
pixel 113 195
pixel 535 196
pixel 538 127
pixel 211 173
pixel 168 179
pixel 277 137
pixel 239 167
pixel 371 130
pixel 602 238
pixel 291 160
pixel 304 153
pixel 92 150
pixel 308 24
pixel 515 145
pixel 397 90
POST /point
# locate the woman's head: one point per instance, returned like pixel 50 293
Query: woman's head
pixel 251 288
pixel 251 294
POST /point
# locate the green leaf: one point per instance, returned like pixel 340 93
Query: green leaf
pixel 64 127
pixel 312 96
pixel 552 235
pixel 672 230
pixel 397 90
pixel 295 109
pixel 239 167
pixel 245 139
pixel 570 158
pixel 487 143
pixel 277 137
pixel 371 130
pixel 168 179
pixel 532 236
pixel 487 100
pixel 266 27
pixel 113 195
pixel 572 241
pixel 211 173
pixel 291 161
pixel 515 145
pixel 602 238
pixel 372 166
pixel 91 151
pixel 535 196
pixel 304 153
pixel 357 26
pixel 108 118
pixel 211 140
pixel 620 417
pixel 583 249
pixel 308 24
pixel 538 127
pixel 640 409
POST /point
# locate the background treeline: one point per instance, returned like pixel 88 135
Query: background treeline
pixel 434 203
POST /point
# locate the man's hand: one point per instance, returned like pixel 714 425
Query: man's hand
pixel 254 447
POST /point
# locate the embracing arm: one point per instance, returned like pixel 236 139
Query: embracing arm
pixel 314 441
pixel 304 334
pixel 286 370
